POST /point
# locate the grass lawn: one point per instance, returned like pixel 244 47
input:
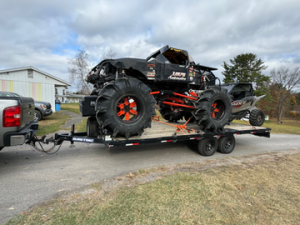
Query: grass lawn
pixel 72 107
pixel 52 123
pixel 287 126
pixel 261 189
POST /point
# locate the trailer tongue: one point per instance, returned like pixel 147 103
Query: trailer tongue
pixel 160 132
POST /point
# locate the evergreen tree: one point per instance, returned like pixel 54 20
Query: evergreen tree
pixel 247 68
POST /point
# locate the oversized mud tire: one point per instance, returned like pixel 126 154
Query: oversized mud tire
pixel 167 113
pixel 213 110
pixel 125 107
pixel 257 117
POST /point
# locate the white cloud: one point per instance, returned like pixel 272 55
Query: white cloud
pixel 45 34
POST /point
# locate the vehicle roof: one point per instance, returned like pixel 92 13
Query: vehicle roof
pixel 163 49
pixel 8 94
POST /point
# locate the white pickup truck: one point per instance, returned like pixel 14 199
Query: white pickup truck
pixel 17 123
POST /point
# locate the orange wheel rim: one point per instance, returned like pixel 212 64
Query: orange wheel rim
pixel 217 110
pixel 127 108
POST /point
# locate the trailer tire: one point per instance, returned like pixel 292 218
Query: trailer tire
pixel 226 144
pixel 92 127
pixel 207 146
pixel 125 107
pixel 257 117
pixel 213 110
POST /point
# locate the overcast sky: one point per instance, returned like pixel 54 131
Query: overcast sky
pixel 45 34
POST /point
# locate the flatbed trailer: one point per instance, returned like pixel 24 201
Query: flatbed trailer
pixel 160 132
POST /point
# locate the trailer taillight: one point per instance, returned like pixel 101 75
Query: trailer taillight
pixel 12 116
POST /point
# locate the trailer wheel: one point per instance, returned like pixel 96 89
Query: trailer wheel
pixel 226 144
pixel 207 146
pixel 213 110
pixel 257 117
pixel 125 107
pixel 92 127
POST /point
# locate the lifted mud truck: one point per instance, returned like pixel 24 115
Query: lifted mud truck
pixel 126 90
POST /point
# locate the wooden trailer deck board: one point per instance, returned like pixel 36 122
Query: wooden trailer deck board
pixel 158 130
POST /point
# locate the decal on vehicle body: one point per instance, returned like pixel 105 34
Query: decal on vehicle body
pixel 177 76
pixel 238 103
pixel 89 140
pixel 151 66
pixel 108 138
pixel 151 74
pixel 192 73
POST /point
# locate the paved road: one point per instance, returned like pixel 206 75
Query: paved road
pixel 29 177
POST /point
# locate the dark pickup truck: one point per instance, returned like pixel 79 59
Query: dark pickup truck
pixel 17 123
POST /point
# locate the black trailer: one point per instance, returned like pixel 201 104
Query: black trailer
pixel 161 132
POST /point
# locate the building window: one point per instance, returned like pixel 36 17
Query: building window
pixel 63 91
pixel 30 73
pixel 56 92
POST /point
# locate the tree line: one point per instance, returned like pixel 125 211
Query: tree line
pixel 281 98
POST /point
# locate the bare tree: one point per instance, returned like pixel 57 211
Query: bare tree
pixel 110 54
pixel 285 80
pixel 78 70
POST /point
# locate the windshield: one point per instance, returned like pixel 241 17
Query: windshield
pixel 227 87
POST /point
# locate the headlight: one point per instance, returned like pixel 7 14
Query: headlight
pixel 43 106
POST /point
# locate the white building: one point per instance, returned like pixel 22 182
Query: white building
pixel 69 98
pixel 32 82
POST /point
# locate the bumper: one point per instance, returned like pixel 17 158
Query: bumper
pixel 20 137
pixel 47 112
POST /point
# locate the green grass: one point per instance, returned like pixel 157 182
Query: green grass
pixel 258 192
pixel 72 107
pixel 81 127
pixel 52 123
pixel 287 126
